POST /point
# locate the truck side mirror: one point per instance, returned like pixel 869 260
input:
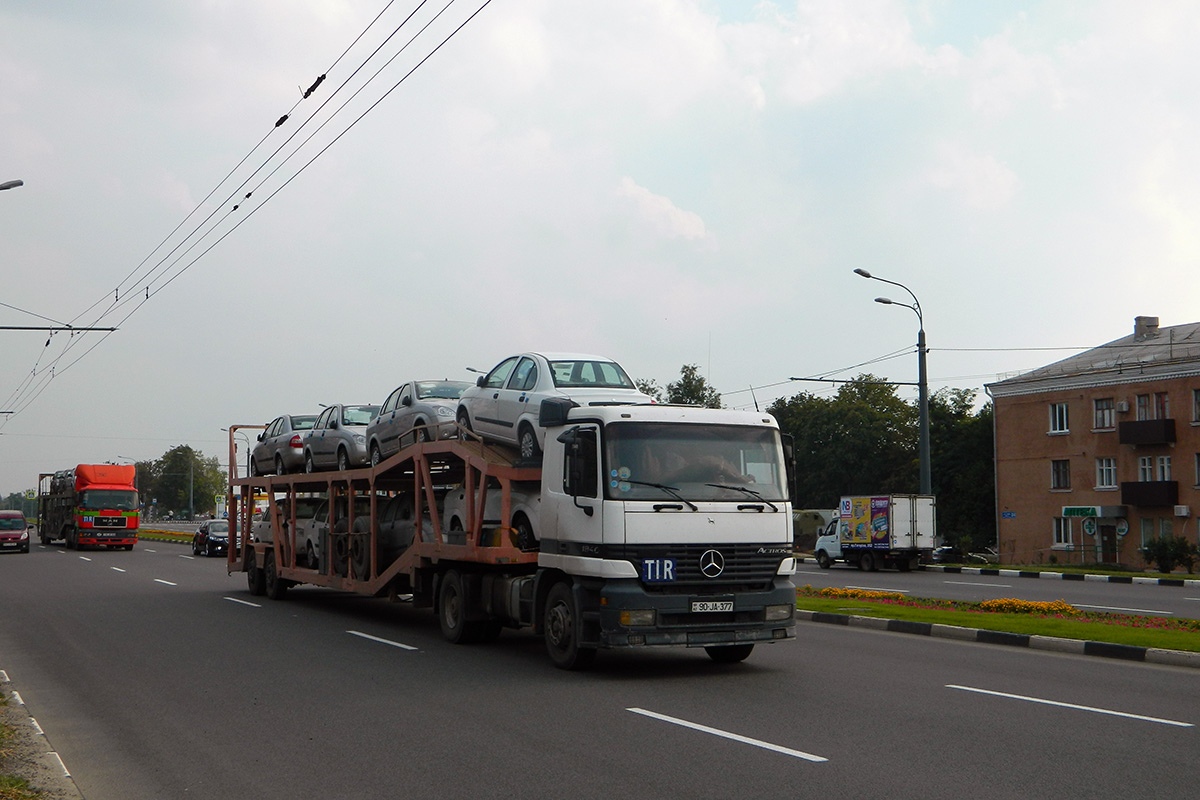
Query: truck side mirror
pixel 573 466
pixel 553 412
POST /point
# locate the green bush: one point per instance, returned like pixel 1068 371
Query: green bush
pixel 1170 552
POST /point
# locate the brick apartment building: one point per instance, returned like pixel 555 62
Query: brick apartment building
pixel 1099 452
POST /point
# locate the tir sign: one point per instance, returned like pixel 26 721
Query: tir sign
pixel 658 570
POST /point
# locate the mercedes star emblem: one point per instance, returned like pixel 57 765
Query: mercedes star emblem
pixel 712 563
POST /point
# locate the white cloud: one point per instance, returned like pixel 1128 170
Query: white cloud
pixel 981 181
pixel 664 216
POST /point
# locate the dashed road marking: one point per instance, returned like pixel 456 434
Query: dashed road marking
pixel 243 602
pixel 382 641
pixel 1074 706
pixel 727 735
pixel 167 583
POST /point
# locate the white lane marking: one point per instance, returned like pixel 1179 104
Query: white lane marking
pixel 1118 608
pixel 1191 598
pixel 727 735
pixel 1072 705
pixel 3 676
pixel 168 583
pixel 189 558
pixel 989 585
pixel 17 697
pixel 148 550
pixel 84 558
pixel 58 758
pixel 877 589
pixel 382 641
pixel 116 569
pixel 243 602
pixel 36 727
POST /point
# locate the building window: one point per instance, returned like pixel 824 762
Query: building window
pixel 1062 532
pixel 1164 468
pixel 1195 405
pixel 1106 472
pixel 1197 469
pixel 1146 468
pixel 1162 406
pixel 1058 418
pixel 1104 413
pixel 1060 474
pixel 1143 407
pixel 1147 531
pixel 1166 528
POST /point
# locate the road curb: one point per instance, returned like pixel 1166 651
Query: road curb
pixel 1191 583
pixel 1152 655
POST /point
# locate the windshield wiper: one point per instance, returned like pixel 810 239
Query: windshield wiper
pixel 748 491
pixel 671 490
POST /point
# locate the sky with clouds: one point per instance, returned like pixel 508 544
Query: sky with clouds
pixel 665 182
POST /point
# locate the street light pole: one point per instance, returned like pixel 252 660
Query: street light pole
pixel 922 380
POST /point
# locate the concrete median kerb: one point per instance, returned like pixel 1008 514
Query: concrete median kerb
pixel 1191 583
pixel 1174 658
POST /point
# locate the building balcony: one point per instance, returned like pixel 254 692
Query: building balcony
pixel 1147 431
pixel 1150 493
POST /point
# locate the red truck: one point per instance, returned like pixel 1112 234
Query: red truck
pixel 92 504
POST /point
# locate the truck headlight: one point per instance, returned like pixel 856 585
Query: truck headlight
pixel 781 612
pixel 787 567
pixel 638 617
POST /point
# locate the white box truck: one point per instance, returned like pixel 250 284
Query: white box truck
pixel 873 531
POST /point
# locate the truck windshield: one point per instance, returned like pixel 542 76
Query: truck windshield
pixel 732 463
pixel 108 500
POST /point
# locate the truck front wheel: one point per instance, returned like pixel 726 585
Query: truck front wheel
pixel 562 630
pixel 823 560
pixel 729 654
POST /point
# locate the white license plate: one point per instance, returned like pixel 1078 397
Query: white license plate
pixel 702 606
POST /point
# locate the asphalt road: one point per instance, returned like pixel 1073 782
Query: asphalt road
pixel 1116 598
pixel 156 675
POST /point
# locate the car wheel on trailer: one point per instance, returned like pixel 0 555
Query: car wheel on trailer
pixel 527 439
pixel 729 654
pixel 823 560
pixel 452 609
pixel 254 470
pixel 422 432
pixel 526 541
pixel 255 580
pixel 376 456
pixel 309 467
pixel 280 469
pixel 310 557
pixel 559 624
pixel 343 460
pixel 464 422
pixel 274 586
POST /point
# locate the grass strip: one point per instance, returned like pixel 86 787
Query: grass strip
pixel 1095 627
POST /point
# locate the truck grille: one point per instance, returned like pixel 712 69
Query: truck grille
pixel 108 522
pixel 744 567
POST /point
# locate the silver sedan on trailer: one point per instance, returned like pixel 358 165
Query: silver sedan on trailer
pixel 418 411
pixel 338 438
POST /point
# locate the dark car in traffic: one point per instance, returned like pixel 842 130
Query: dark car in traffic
pixel 212 538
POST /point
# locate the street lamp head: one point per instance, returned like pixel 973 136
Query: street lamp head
pixel 863 272
pixel 886 301
pixel 11 184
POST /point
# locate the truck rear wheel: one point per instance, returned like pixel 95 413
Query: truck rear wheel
pixel 274 585
pixel 867 562
pixel 561 627
pixel 729 654
pixel 255 581
pixel 452 610
pixel 823 560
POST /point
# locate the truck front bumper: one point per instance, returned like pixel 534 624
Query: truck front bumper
pixel 756 616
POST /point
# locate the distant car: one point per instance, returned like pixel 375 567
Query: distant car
pixel 418 411
pixel 503 406
pixel 280 447
pixel 14 531
pixel 212 538
pixel 947 555
pixel 338 439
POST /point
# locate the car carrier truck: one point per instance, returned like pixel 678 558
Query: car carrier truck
pixel 90 505
pixel 642 526
pixel 870 532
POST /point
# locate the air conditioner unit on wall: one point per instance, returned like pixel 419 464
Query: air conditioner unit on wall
pixel 1183 511
pixel 1123 406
